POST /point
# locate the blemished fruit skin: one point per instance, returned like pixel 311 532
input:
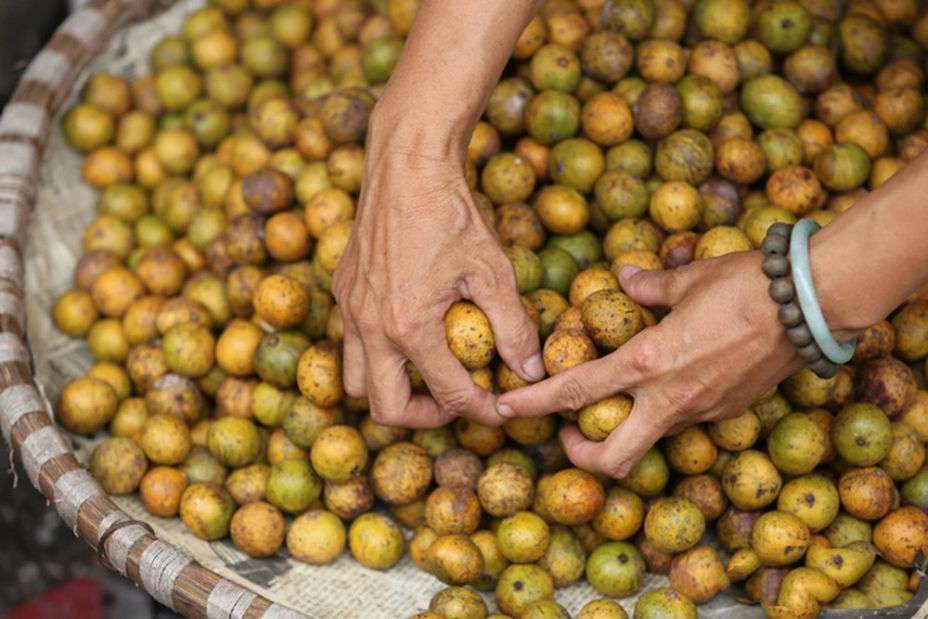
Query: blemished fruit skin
pixel 227 387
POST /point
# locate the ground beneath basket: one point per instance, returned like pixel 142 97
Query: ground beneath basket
pixel 45 571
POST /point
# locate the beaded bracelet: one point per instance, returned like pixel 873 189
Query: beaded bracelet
pixel 777 268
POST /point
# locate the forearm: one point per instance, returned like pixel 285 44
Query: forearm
pixel 867 261
pixel 453 57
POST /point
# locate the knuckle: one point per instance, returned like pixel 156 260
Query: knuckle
pixel 691 401
pixel 521 338
pixel 492 273
pixel 363 323
pixel 400 324
pixel 502 267
pixel 482 284
pixel 619 466
pixel 571 393
pixel 457 401
pixel 505 277
pixel 649 357
pixel 348 300
pixel 683 400
pixel 382 415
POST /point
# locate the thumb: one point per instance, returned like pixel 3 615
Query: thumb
pixel 651 288
pixel 516 334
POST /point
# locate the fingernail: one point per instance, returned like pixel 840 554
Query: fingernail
pixel 505 411
pixel 628 270
pixel 534 368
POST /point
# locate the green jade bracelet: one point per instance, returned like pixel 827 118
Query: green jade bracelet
pixel 792 289
pixel 808 301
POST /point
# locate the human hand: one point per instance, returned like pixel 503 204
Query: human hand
pixel 710 358
pixel 419 244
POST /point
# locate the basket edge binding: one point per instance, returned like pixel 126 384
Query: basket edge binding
pixel 123 544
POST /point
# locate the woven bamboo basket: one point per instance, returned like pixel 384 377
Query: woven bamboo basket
pixel 189 576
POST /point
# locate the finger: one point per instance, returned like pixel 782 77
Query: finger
pixel 574 388
pixel 680 426
pixel 652 288
pixel 449 382
pixel 621 450
pixel 632 439
pixel 354 361
pixel 390 395
pixel 515 333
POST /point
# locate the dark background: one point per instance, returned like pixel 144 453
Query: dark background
pixel 25 25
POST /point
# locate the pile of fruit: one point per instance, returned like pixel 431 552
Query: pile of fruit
pixel 646 132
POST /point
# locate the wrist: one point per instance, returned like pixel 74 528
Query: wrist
pixel 400 128
pixel 847 311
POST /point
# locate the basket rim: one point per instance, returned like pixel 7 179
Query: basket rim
pixel 123 544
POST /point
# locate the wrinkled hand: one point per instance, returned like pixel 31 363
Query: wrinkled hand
pixel 710 358
pixel 419 244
